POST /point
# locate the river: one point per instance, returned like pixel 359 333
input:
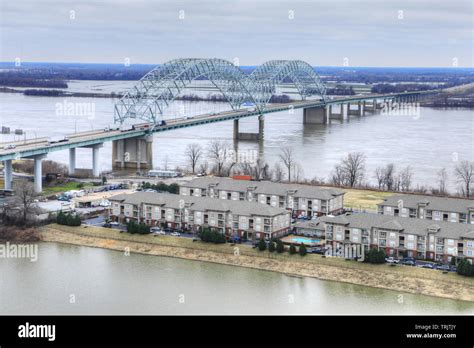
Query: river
pixel 69 279
pixel 437 138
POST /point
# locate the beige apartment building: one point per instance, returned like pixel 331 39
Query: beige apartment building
pixel 429 207
pixel 234 218
pixel 300 199
pixel 402 236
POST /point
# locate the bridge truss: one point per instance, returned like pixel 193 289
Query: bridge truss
pixel 155 91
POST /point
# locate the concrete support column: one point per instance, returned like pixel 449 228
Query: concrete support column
pixel 149 151
pixel 316 115
pixel 95 160
pixel 236 129
pixel 139 153
pixel 261 126
pixel 8 174
pixel 38 174
pixel 72 161
pixel 359 109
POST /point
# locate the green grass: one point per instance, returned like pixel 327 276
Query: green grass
pixel 49 190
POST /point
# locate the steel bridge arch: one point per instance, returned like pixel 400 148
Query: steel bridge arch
pixel 270 74
pixel 160 87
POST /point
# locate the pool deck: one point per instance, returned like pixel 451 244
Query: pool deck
pixel 305 240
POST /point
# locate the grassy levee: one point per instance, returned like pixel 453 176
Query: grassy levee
pixel 364 199
pixel 228 249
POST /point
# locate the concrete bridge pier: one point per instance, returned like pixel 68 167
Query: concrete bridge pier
pixel 38 172
pixel 356 112
pixel 369 107
pixel 95 160
pixel 72 161
pixel 336 115
pixel 250 136
pixel 133 153
pixel 8 174
pixel 316 115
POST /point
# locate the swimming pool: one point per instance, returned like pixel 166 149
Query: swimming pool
pixel 303 240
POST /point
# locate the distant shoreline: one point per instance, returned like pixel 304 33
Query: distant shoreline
pixel 313 266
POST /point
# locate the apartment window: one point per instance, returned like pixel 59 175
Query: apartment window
pixel 242 196
pixel 470 243
pixel 229 195
pixel 268 200
pixel 191 192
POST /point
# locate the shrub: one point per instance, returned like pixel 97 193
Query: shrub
pixel 376 256
pixel 211 236
pixel 292 250
pixel 465 268
pixel 262 245
pixel 271 247
pixel 302 250
pixel 68 219
pixel 280 247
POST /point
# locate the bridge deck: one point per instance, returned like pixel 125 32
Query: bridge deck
pixel 32 147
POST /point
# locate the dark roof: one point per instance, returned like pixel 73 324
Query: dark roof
pixel 199 203
pixel 458 205
pixel 265 187
pixel 421 227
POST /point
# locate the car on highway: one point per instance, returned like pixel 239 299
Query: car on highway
pixel 10 146
pixel 162 123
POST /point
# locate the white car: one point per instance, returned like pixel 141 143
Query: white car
pixel 157 231
pixel 391 260
pixel 10 146
pixel 176 234
pixel 114 223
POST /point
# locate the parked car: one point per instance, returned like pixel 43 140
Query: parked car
pixel 157 231
pixel 107 225
pixel 391 260
pixel 408 262
pixel 176 234
pixel 454 269
pixel 427 265
pixel 114 223
pixel 443 268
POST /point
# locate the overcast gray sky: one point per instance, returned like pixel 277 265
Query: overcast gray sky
pixel 432 33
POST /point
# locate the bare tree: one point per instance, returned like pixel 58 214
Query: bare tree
pixel 389 176
pixel 277 173
pixel 193 153
pixel 298 172
pixel 380 176
pixel 287 156
pixel 337 176
pixel 353 167
pixel 442 181
pixel 25 195
pixel 219 152
pixel 258 170
pixel 406 179
pixel 464 173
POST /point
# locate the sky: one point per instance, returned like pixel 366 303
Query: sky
pixel 405 33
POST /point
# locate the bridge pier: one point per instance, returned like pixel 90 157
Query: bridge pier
pixel 133 153
pixel 316 115
pixel 369 107
pixel 8 174
pixel 72 161
pixel 336 115
pixel 357 112
pixel 38 172
pixel 250 136
pixel 95 160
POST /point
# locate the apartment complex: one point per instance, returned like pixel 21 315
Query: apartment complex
pixel 402 236
pixel 429 207
pixel 300 199
pixel 234 218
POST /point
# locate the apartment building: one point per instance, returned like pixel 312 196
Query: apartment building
pixel 429 207
pixel 402 236
pixel 300 199
pixel 234 218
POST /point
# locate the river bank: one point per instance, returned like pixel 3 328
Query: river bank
pixel 402 279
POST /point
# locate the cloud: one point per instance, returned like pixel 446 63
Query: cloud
pixel 370 33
